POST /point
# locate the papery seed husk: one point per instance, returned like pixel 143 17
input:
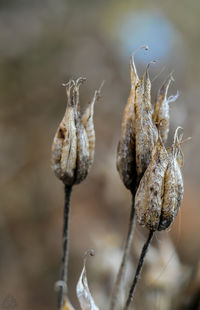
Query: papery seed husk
pixel 82 162
pixel 88 123
pixel 148 199
pixel 64 147
pixel 170 195
pixel 126 146
pixel 173 185
pixel 145 130
pixel 180 187
pixel 161 113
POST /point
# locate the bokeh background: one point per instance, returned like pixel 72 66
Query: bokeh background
pixel 42 45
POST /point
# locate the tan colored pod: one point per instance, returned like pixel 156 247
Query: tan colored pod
pixel 180 188
pixel 126 151
pixel 173 185
pixel 146 133
pixel 82 162
pixel 88 123
pixel 64 147
pixel 161 114
pixel 148 199
pixel 169 202
pixel 178 155
pixel 73 145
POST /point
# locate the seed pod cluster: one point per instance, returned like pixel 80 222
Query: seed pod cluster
pixel 144 164
pixel 138 133
pixel 74 142
pixel 160 192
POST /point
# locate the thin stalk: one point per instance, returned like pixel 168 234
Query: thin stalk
pixel 64 275
pixel 122 270
pixel 139 269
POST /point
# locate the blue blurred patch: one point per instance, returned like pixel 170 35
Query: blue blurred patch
pixel 146 28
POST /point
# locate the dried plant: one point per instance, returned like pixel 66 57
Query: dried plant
pixel 155 174
pixel 72 156
pixel 151 172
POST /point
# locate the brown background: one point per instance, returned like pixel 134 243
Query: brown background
pixel 42 44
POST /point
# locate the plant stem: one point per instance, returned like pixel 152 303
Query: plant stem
pixel 139 269
pixel 122 270
pixel 63 291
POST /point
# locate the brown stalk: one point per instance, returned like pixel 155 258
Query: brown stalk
pixel 139 269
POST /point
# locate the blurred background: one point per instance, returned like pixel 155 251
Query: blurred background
pixel 43 44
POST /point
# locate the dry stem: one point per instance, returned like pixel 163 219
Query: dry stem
pixel 68 190
pixel 122 270
pixel 139 269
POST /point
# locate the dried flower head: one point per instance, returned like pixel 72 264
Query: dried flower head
pixel 160 192
pixel 73 144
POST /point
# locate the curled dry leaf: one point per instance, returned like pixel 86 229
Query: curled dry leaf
pixel 82 290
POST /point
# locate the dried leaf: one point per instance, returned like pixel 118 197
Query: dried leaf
pixel 82 290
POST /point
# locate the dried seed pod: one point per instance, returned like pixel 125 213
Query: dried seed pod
pixel 170 194
pixel 126 147
pixel 88 123
pixel 173 185
pixel 64 147
pixel 146 133
pixel 161 111
pixel 73 148
pixel 82 163
pixel 148 199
